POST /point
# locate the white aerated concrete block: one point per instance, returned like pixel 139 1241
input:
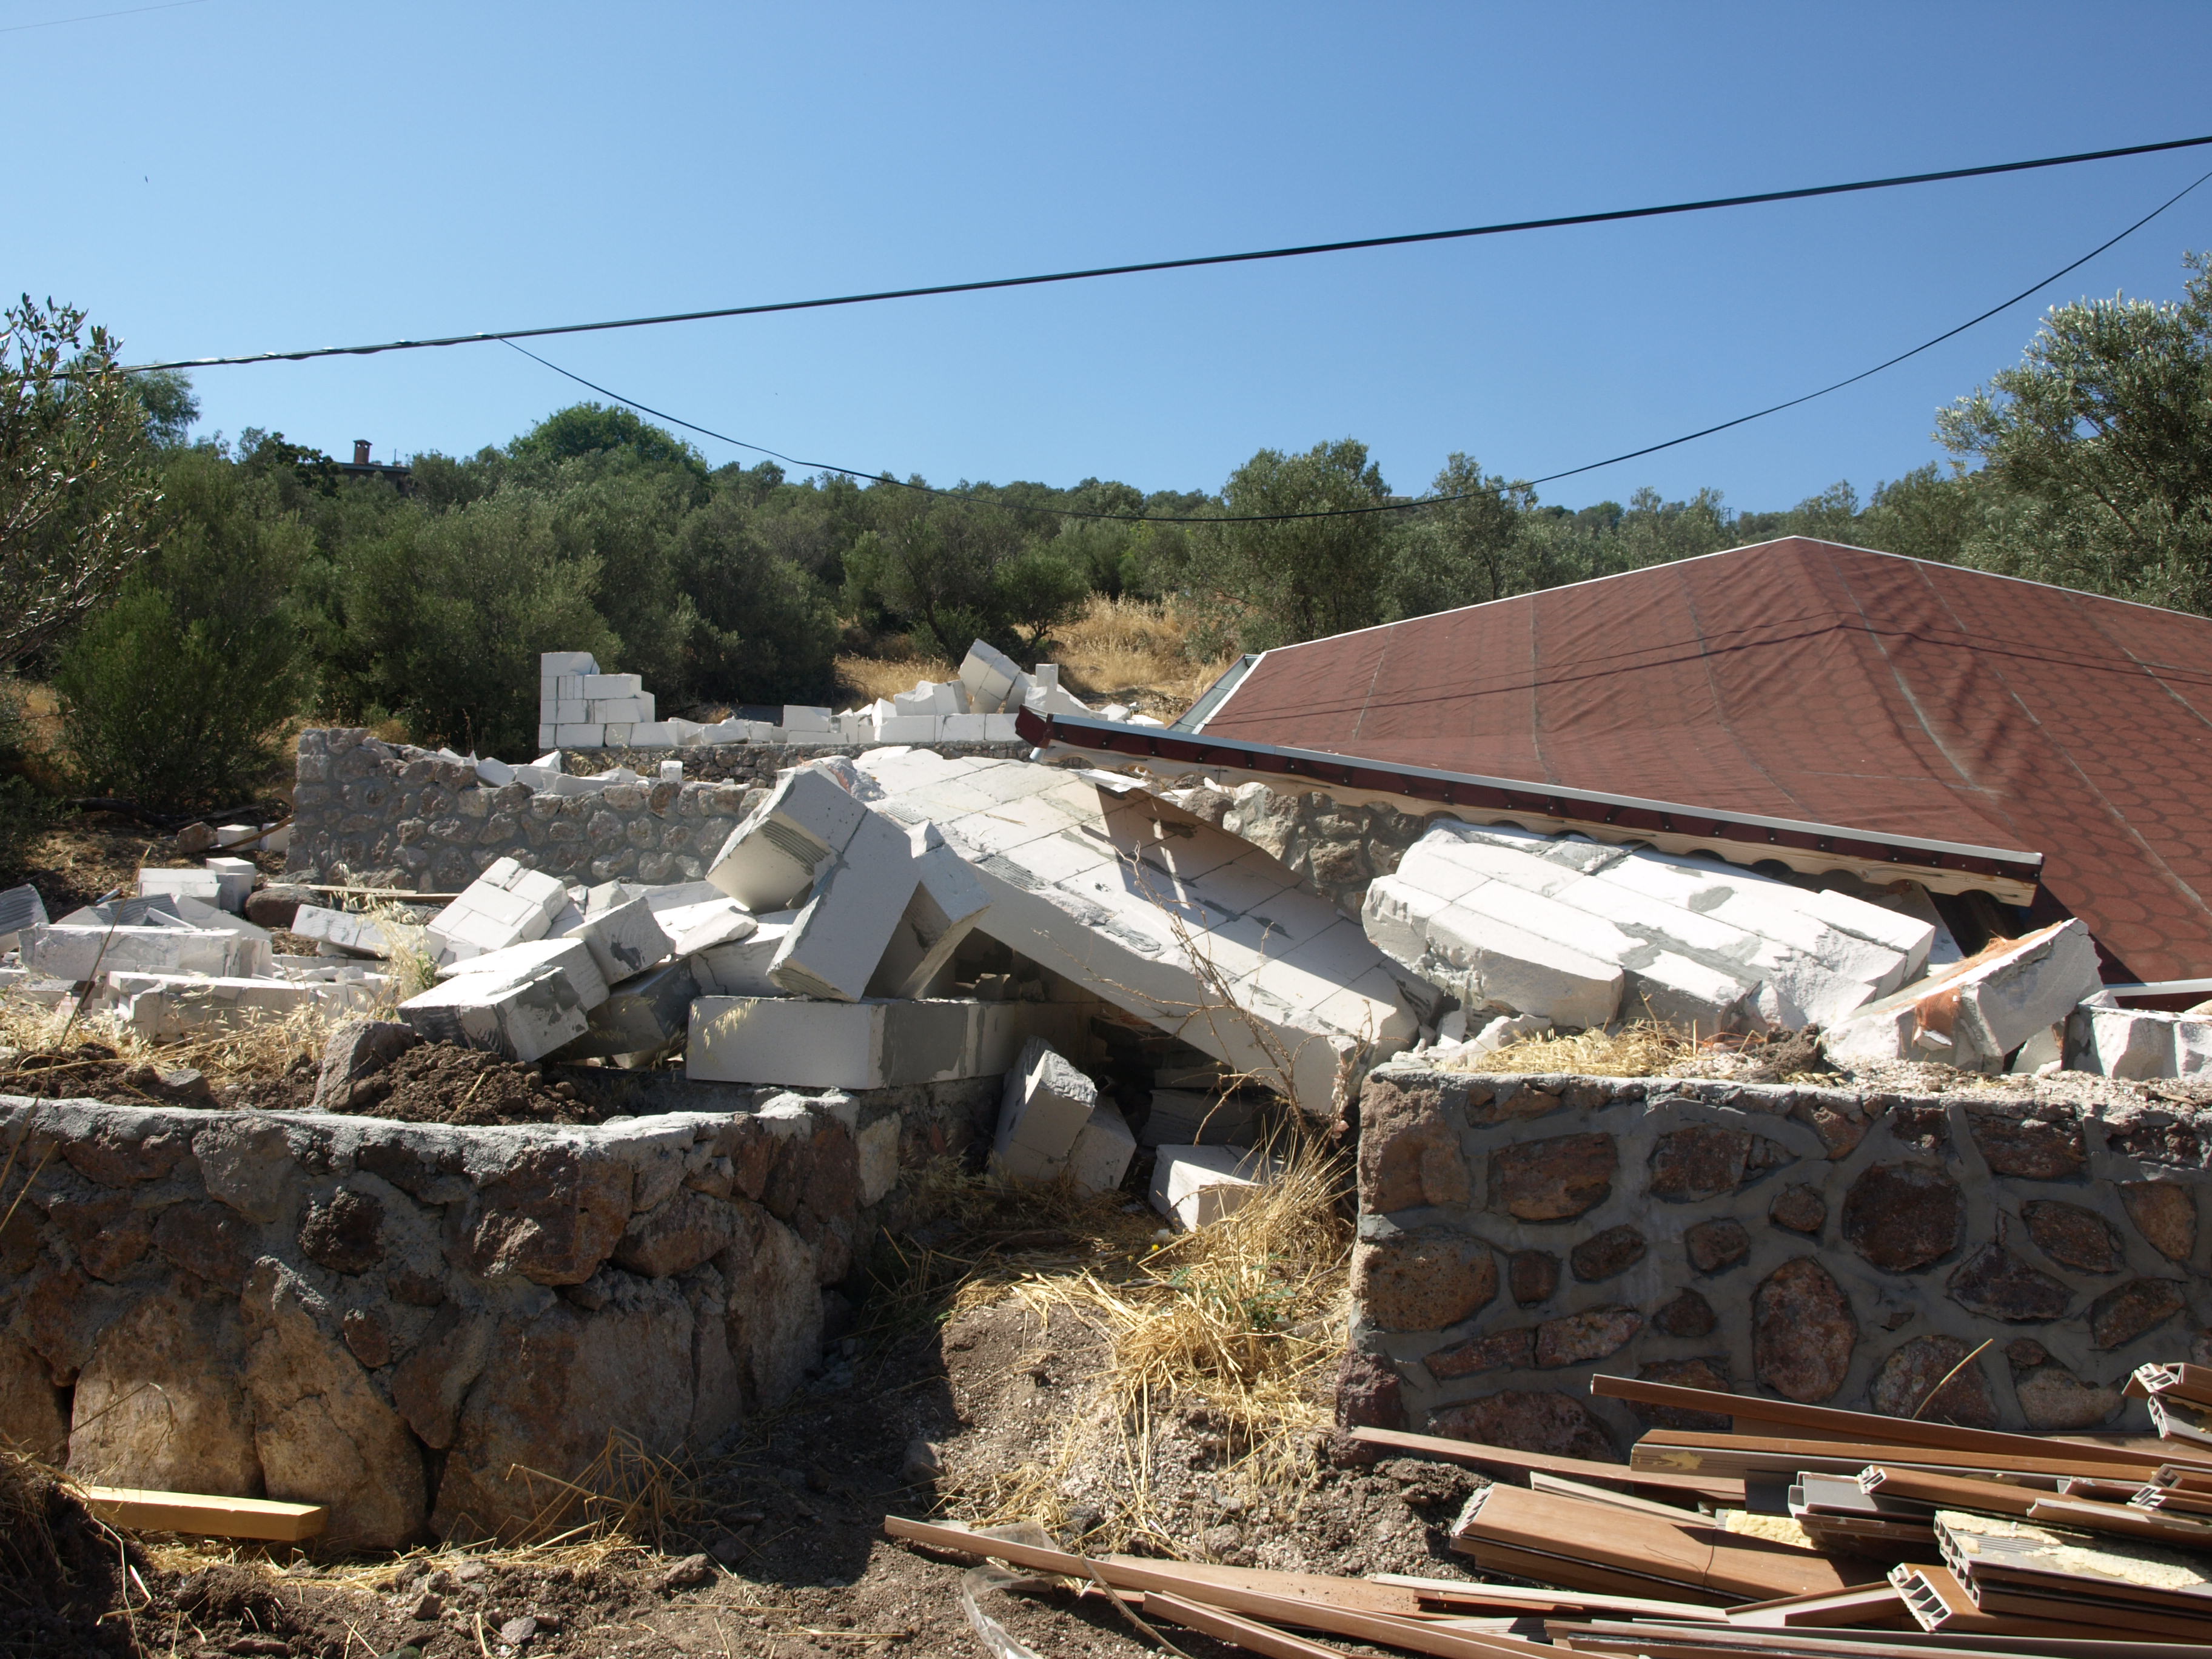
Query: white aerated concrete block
pixel 1000 729
pixel 566 662
pixel 571 958
pixel 866 1045
pixel 737 967
pixel 1974 1013
pixel 76 954
pixel 692 928
pixel 613 685
pixel 349 930
pixel 624 940
pixel 799 720
pixel 237 877
pixel 641 1016
pixel 523 1021
pixel 995 681
pixel 907 728
pixel 1487 962
pixel 506 905
pixel 946 903
pixel 770 860
pixel 163 1006
pixel 578 735
pixel 1100 1155
pixel 21 909
pixel 1041 1111
pixel 1196 1186
pixel 2139 1044
pixel 833 950
pixel 206 885
pixel 621 711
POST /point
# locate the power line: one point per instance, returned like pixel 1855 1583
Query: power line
pixel 96 16
pixel 1405 241
pixel 1387 507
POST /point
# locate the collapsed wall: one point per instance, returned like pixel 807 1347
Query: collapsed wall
pixel 426 1326
pixel 1841 1246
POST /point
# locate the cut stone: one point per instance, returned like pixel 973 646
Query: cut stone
pixel 1422 1280
pixel 76 954
pixel 20 911
pixel 740 966
pixel 1196 1186
pixel 570 958
pixel 349 930
pixel 947 903
pixel 523 1021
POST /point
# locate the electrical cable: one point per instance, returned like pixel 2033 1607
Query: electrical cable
pixel 1410 239
pixel 1385 506
pixel 96 16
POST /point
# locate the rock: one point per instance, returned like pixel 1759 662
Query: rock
pixel 2073 1237
pixel 2025 1352
pixel 2126 1311
pixel 1706 1372
pixel 430 1382
pixel 2034 1141
pixel 1800 1208
pixel 277 908
pixel 1906 1384
pixel 774 1302
pixel 211 1240
pixel 245 1163
pixel 357 1050
pixel 1803 1332
pixel 158 1405
pixel 1553 1180
pixel 518 1631
pixel 1528 1420
pixel 1703 1160
pixel 1715 1246
pixel 345 1233
pixel 1995 1282
pixel 1409 1150
pixel 426 1606
pixel 62 1315
pixel 1688 1315
pixel 107 1232
pixel 322 1432
pixel 1369 1394
pixel 2056 1401
pixel 1584 1336
pixel 1532 1276
pixel 2164 1212
pixel 560 1382
pixel 1601 1255
pixel 922 1465
pixel 194 839
pixel 367 1336
pixel 31 1414
pixel 553 1216
pixel 1903 1216
pixel 678 1234
pixel 1423 1280
pixel 692 1573
pixel 1499 1350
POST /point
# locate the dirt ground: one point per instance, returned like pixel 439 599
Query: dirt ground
pixel 776 1548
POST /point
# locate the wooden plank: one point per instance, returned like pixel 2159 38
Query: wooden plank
pixel 1366 1594
pixel 1860 1605
pixel 1480 1456
pixel 1952 1492
pixel 206 1516
pixel 1373 1627
pixel 1869 1426
pixel 1574 1573
pixel 1559 1487
pixel 1163 1581
pixel 1520 1598
pixel 1681 1552
pixel 1238 1632
pixel 1691 1451
pixel 2122 1518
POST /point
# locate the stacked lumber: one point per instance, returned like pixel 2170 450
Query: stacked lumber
pixel 1804 1532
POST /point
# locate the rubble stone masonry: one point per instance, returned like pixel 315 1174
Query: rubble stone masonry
pixel 1519 1234
pixel 400 1320
pixel 380 814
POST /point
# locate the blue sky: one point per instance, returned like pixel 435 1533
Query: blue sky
pixel 240 175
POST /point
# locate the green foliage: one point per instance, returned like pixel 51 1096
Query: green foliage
pixel 25 815
pixel 76 484
pixel 175 694
pixel 2096 451
pixel 760 629
pixel 169 406
pixel 596 429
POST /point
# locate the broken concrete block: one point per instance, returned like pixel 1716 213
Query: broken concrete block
pixel 1977 1011
pixel 506 905
pixel 2139 1044
pixel 1173 919
pixel 947 902
pixel 206 885
pixel 994 681
pixel 643 1015
pixel 350 930
pixel 237 877
pixel 526 1020
pixel 571 958
pixel 162 1007
pixel 1196 1186
pixel 833 949
pixel 870 1044
pixel 77 954
pixel 1041 1111
pixel 771 861
pixel 623 940
pixel 695 927
pixel 1198 1117
pixel 739 967
pixel 20 911
pixel 1100 1155
pixel 1486 960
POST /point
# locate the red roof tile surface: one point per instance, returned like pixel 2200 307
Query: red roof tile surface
pixel 1802 679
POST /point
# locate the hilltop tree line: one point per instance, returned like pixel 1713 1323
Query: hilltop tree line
pixel 185 597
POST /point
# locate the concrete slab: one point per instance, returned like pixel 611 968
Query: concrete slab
pixel 947 902
pixel 1196 1186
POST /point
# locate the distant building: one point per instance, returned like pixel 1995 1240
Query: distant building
pixel 402 477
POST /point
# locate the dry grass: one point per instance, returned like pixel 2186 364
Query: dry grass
pixel 1239 1323
pixel 262 1049
pixel 1133 650
pixel 1639 1050
pixel 864 679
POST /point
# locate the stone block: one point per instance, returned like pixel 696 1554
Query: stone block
pixel 1198 1117
pixel 1041 1111
pixel 611 685
pixel 163 1007
pixel 1102 1153
pixel 1196 1186
pixel 356 1051
pixel 1974 1013
pixel 552 662
pixel 623 939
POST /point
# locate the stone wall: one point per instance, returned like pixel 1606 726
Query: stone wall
pixel 1519 1234
pixel 394 1318
pixel 386 815
pixel 1339 848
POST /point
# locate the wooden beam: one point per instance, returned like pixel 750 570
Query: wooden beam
pixel 206 1516
pixel 1480 1456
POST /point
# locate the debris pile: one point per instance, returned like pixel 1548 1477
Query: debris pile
pixel 1773 1528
